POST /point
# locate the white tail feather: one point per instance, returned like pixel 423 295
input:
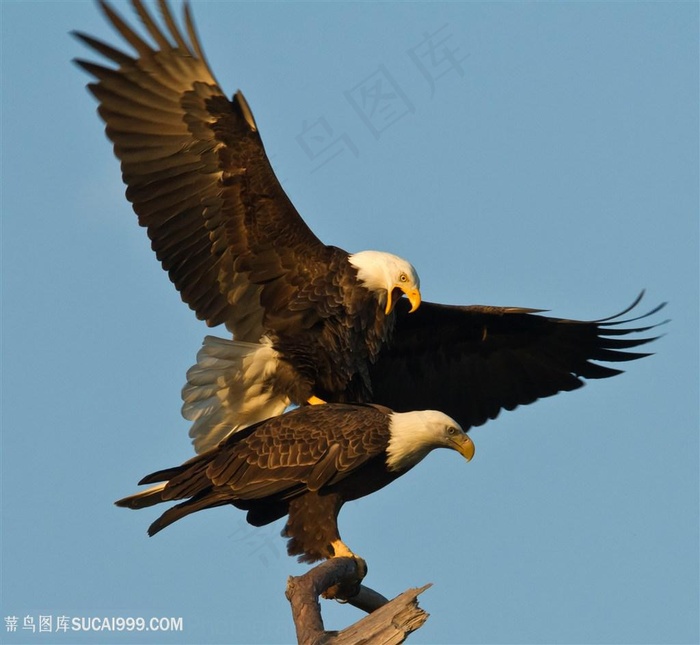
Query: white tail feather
pixel 229 389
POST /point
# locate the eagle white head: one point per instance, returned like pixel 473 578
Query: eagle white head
pixel 384 272
pixel 412 435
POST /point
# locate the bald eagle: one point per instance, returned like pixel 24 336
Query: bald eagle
pixel 310 322
pixel 306 464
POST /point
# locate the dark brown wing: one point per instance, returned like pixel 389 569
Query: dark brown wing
pixel 199 179
pixel 472 362
pixel 272 461
pixel 308 448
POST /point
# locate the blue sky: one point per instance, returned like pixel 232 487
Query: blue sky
pixel 546 155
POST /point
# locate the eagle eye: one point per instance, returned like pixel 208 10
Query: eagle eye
pixel 451 430
pixel 403 277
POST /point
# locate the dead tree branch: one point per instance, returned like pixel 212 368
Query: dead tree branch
pixel 389 622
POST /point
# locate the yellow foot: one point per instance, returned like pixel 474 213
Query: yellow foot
pixel 314 400
pixel 351 585
pixel 341 551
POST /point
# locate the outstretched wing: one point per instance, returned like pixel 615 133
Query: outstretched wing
pixel 199 179
pixel 472 362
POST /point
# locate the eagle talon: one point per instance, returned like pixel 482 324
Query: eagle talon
pixel 314 400
pixel 347 589
pixel 341 550
pixel 361 567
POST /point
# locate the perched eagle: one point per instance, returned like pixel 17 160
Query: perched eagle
pixel 309 321
pixel 305 464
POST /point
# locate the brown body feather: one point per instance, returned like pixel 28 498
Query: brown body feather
pixel 305 463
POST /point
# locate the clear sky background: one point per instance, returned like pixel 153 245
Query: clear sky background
pixel 540 155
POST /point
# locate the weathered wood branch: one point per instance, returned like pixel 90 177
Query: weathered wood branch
pixel 389 625
pixel 388 622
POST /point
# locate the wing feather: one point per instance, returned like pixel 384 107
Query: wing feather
pixel 199 180
pixel 472 362
pixel 305 449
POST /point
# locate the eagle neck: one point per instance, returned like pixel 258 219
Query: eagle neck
pixel 408 442
pixel 371 270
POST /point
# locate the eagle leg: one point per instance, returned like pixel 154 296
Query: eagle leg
pixel 312 527
pixel 341 550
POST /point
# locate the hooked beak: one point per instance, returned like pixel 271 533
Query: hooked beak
pixel 465 447
pixel 413 296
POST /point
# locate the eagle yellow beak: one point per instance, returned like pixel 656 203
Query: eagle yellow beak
pixel 465 447
pixel 413 296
